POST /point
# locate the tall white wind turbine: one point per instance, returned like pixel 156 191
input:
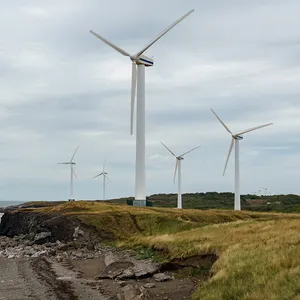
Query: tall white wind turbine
pixel 235 142
pixel 72 164
pixel 139 62
pixel 104 174
pixel 179 158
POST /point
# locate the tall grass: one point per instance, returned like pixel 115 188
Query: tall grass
pixel 257 260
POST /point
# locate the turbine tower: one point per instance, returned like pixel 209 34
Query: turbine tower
pixel 104 177
pixel 139 62
pixel 72 164
pixel 235 142
pixel 178 166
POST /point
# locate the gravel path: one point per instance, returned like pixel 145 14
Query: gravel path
pixel 23 279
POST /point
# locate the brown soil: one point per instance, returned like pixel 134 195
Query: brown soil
pixel 175 289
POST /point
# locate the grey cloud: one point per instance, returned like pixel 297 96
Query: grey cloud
pixel 61 87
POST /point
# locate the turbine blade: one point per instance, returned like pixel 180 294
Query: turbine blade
pixel 97 175
pixel 168 149
pixel 176 166
pixel 163 33
pixel 63 163
pixel 230 150
pixel 74 173
pixel 133 93
pixel 120 50
pixel 107 178
pixel 104 164
pixel 254 128
pixel 74 154
pixel 190 151
pixel 221 121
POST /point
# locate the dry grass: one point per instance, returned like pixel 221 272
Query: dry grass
pixel 123 221
pixel 259 253
pixel 257 260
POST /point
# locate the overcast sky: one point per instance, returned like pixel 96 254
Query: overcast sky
pixel 61 87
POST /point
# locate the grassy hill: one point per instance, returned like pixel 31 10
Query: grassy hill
pixel 214 200
pixel 258 254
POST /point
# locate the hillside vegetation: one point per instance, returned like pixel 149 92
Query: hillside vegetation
pixel 258 253
pixel 214 200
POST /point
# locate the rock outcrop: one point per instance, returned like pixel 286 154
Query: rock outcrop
pixel 41 227
pixel 122 266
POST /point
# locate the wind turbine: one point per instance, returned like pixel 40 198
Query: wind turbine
pixel 72 164
pixel 179 158
pixel 235 141
pixel 104 177
pixel 139 62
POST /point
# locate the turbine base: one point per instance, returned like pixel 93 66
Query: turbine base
pixel 71 199
pixel 139 203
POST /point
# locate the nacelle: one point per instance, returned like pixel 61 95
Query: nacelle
pixel 144 60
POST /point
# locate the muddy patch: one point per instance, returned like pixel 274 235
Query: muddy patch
pixel 89 268
pixel 179 278
pixel 62 289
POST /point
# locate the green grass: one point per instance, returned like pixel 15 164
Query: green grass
pixel 214 200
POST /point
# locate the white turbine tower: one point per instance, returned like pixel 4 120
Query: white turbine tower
pixel 104 177
pixel 139 62
pixel 72 164
pixel 235 141
pixel 179 158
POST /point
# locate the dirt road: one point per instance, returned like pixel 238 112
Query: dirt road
pixel 23 279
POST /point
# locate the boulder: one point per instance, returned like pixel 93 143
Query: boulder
pixel 127 274
pixel 115 269
pixel 144 268
pixel 134 292
pixel 149 285
pixel 110 258
pixel 41 237
pixel 37 254
pixel 141 268
pixel 77 233
pixel 161 277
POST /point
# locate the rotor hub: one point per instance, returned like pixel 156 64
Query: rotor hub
pixel 237 137
pixel 133 58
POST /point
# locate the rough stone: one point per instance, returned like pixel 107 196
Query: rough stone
pixel 134 292
pixel 115 269
pixel 127 273
pixel 63 246
pixel 110 258
pixel 149 285
pixel 37 254
pixel 77 233
pixel 122 283
pixel 40 237
pixel 161 277
pixel 141 268
pixel 145 268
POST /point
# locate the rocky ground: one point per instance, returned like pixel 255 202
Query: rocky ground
pixel 31 267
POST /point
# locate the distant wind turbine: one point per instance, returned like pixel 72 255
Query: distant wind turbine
pixel 179 158
pixel 139 62
pixel 103 173
pixel 72 164
pixel 235 141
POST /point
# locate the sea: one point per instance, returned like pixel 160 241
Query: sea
pixel 4 203
pixel 9 203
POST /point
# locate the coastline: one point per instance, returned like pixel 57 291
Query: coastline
pixel 54 256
